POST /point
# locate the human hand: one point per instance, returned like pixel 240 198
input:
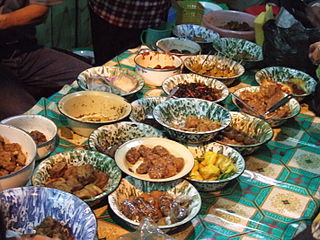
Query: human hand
pixel 314 52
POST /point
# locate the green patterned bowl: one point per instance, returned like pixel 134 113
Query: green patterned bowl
pixel 274 122
pixel 249 53
pixel 283 75
pixel 175 80
pixel 77 158
pixel 211 186
pixel 254 127
pixel 108 138
pixel 175 112
pixel 213 60
pixel 130 186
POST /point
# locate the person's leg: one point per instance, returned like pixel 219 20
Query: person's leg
pixel 14 98
pixel 109 40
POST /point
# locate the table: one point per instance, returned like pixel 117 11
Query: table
pixel 277 196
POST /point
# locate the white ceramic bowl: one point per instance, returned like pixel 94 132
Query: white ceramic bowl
pixel 90 104
pixel 40 123
pixel 28 147
pixel 175 148
pixel 146 63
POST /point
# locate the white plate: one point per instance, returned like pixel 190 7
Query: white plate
pixel 176 149
pixel 208 7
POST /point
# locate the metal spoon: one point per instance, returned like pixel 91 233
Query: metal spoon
pixel 279 104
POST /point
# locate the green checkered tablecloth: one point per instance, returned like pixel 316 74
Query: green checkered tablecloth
pixel 276 197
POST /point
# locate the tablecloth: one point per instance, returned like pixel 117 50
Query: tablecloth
pixel 277 196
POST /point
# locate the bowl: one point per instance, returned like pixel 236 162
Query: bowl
pixel 286 77
pixel 195 65
pixel 78 158
pixel 129 81
pixel 25 208
pixel 174 148
pixel 208 7
pixel 130 187
pixel 293 104
pixel 252 126
pixel 180 47
pixel 47 127
pixel 249 53
pixel 157 66
pixel 88 110
pixel 215 185
pixel 187 79
pixel 173 113
pixel 106 139
pixel 216 19
pixel 19 177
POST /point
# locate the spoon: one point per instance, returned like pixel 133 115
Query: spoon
pixel 279 104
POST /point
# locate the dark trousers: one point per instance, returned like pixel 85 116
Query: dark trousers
pixel 27 76
pixel 109 40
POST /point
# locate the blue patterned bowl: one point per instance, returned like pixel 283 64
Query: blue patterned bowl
pixel 254 127
pixel 25 207
pixel 175 80
pixel 249 53
pixel 175 111
pixel 77 158
pixel 285 75
pixel 130 187
pixel 211 186
pixel 108 138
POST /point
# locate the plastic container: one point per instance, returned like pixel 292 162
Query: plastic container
pixel 189 12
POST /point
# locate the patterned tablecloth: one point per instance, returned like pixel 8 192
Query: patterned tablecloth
pixel 277 197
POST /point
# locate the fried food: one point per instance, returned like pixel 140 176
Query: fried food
pixel 198 90
pixel 230 135
pixel 196 124
pixel 296 86
pixel 38 137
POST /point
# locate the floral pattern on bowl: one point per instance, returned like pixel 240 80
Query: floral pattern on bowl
pixel 175 112
pixel 254 127
pixel 175 80
pixel 130 186
pixel 25 207
pixel 211 61
pixel 211 186
pixel 284 74
pixel 78 158
pixel 293 105
pixel 108 138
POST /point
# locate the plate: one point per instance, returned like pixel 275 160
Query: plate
pixel 176 149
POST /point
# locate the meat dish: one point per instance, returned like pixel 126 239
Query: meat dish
pixel 11 157
pixel 294 86
pixel 196 124
pixel 157 162
pixel 237 26
pixel 38 137
pixel 230 135
pixel 198 90
pixel 84 181
pixel 218 68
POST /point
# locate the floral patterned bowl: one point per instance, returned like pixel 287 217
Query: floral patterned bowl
pixel 274 122
pixel 175 80
pixel 249 53
pixel 254 127
pixel 211 186
pixel 192 63
pixel 285 75
pixel 174 112
pixel 108 138
pixel 25 207
pixel 130 186
pixel 77 158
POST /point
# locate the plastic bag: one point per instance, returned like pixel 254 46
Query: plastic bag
pixel 286 43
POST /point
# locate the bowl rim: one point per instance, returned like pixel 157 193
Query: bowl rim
pixel 33 158
pixel 265 71
pixel 195 44
pixel 227 39
pixel 92 93
pixel 201 79
pixel 191 132
pixel 22 116
pixel 250 145
pixel 139 55
pixel 138 77
pixel 174 225
pixel 267 119
pixel 189 58
pixel 61 154
pixel 142 140
pixel 217 35
pixel 234 176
